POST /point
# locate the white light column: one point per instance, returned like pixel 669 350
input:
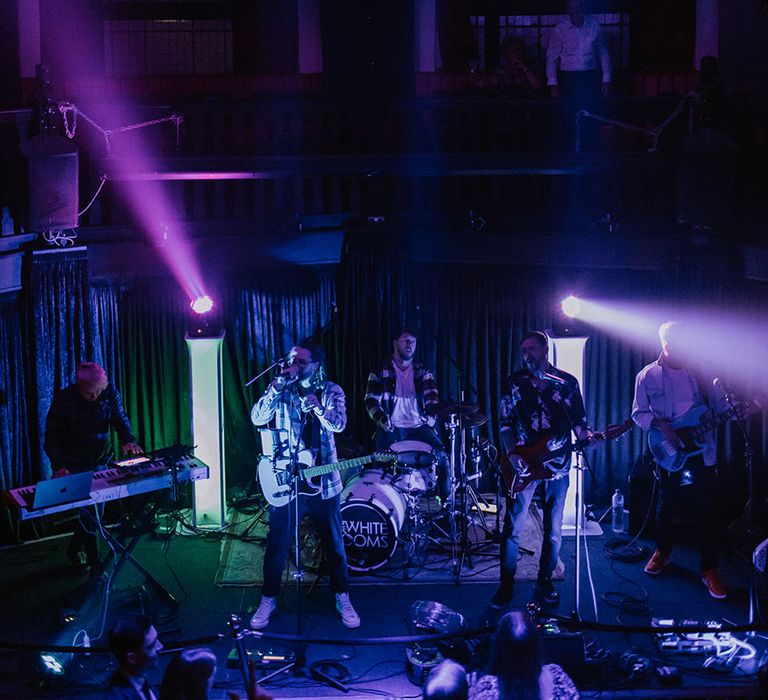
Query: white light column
pixel 209 504
pixel 567 354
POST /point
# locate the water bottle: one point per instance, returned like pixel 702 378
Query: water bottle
pixel 617 512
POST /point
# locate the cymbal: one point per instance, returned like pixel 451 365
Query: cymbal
pixel 452 409
pixel 474 420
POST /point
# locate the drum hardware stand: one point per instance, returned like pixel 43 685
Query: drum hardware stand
pixel 298 667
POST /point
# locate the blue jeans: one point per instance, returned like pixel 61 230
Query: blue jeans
pixel 326 517
pixel 555 491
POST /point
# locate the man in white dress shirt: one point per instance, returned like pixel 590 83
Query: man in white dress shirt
pixel 578 63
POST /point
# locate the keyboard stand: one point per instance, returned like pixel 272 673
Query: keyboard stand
pixel 124 553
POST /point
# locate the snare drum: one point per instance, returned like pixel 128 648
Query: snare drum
pixel 372 513
pixel 415 470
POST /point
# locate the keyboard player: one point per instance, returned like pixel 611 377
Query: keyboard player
pixel 77 440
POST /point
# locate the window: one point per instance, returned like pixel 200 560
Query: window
pixel 168 47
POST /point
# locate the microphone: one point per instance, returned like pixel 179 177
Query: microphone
pixel 546 376
pixel 285 359
pixel 720 384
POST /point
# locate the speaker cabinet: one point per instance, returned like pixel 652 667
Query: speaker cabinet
pixel 53 182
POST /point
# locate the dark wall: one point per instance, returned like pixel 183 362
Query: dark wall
pixel 743 36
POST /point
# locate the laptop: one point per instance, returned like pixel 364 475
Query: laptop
pixel 65 489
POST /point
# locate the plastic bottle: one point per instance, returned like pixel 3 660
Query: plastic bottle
pixel 617 512
pixel 7 223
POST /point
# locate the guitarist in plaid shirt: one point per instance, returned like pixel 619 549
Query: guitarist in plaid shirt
pixel 302 390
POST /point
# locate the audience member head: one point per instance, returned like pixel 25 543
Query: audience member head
pixel 189 675
pixel 134 643
pixel 516 657
pixel 446 681
pixel 91 380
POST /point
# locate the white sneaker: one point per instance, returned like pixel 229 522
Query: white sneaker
pixel 266 607
pixel 348 615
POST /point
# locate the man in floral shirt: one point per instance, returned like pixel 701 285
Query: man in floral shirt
pixel 541 402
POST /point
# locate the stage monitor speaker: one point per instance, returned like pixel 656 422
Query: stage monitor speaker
pixel 53 182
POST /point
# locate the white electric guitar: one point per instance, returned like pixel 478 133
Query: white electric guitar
pixel 275 474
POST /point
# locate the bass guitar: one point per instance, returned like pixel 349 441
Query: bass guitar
pixel 539 455
pixel 691 428
pixel 275 475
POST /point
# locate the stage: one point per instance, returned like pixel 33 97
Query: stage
pixel 39 589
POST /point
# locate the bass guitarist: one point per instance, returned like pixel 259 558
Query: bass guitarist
pixel 665 392
pixel 311 409
pixel 542 402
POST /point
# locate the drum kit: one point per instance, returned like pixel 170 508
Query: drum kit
pixel 396 505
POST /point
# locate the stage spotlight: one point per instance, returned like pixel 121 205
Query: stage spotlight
pixel 571 306
pixel 202 305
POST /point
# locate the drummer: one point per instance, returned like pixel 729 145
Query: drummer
pixel 401 399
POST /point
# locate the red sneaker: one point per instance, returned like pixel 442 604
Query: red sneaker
pixel 711 579
pixel 656 563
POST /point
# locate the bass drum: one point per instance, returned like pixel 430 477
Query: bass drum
pixel 372 513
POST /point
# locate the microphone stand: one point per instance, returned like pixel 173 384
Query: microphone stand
pixel 581 459
pixel 748 458
pixel 280 361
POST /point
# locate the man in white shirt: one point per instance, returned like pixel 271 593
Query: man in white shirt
pixel 665 391
pixel 401 399
pixel 578 63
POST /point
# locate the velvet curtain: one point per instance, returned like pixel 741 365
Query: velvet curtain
pixel 61 333
pixel 266 314
pixel 470 320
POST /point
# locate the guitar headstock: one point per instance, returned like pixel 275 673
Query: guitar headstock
pixel 385 456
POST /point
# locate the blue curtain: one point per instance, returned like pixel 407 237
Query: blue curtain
pixel 61 333
pixel 15 460
pixel 266 314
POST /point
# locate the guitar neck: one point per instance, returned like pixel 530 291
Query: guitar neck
pixel 337 466
pixel 714 421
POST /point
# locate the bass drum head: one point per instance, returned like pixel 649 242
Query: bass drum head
pixel 372 513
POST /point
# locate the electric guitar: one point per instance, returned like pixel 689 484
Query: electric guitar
pixel 538 455
pixel 275 475
pixel 690 428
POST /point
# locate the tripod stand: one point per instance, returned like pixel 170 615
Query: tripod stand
pixel 463 499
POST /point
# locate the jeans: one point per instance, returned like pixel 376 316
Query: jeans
pixel 555 491
pixel 702 493
pixel 383 440
pixel 326 517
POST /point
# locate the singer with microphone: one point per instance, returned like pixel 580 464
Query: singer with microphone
pixel 541 404
pixel 302 402
pixel 666 391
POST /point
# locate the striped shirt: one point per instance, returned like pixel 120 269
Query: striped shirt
pixel 380 392
pixel 285 407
